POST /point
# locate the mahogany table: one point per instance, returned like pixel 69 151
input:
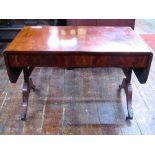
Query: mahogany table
pixel 77 46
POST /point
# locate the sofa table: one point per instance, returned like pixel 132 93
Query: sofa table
pixel 77 46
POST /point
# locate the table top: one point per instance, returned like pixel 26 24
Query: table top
pixel 70 39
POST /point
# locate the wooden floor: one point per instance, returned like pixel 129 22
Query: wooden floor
pixel 79 101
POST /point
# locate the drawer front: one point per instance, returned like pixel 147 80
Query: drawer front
pixel 124 61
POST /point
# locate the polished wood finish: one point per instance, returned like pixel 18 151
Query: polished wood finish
pixel 82 46
pixel 78 60
pixel 79 47
pixel 76 40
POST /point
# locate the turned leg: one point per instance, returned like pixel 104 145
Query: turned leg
pixel 126 85
pixel 27 86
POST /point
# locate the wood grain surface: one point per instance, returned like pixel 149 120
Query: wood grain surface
pixel 63 39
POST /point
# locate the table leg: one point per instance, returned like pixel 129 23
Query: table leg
pixel 126 85
pixel 27 86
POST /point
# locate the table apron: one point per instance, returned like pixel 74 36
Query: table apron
pixel 123 61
